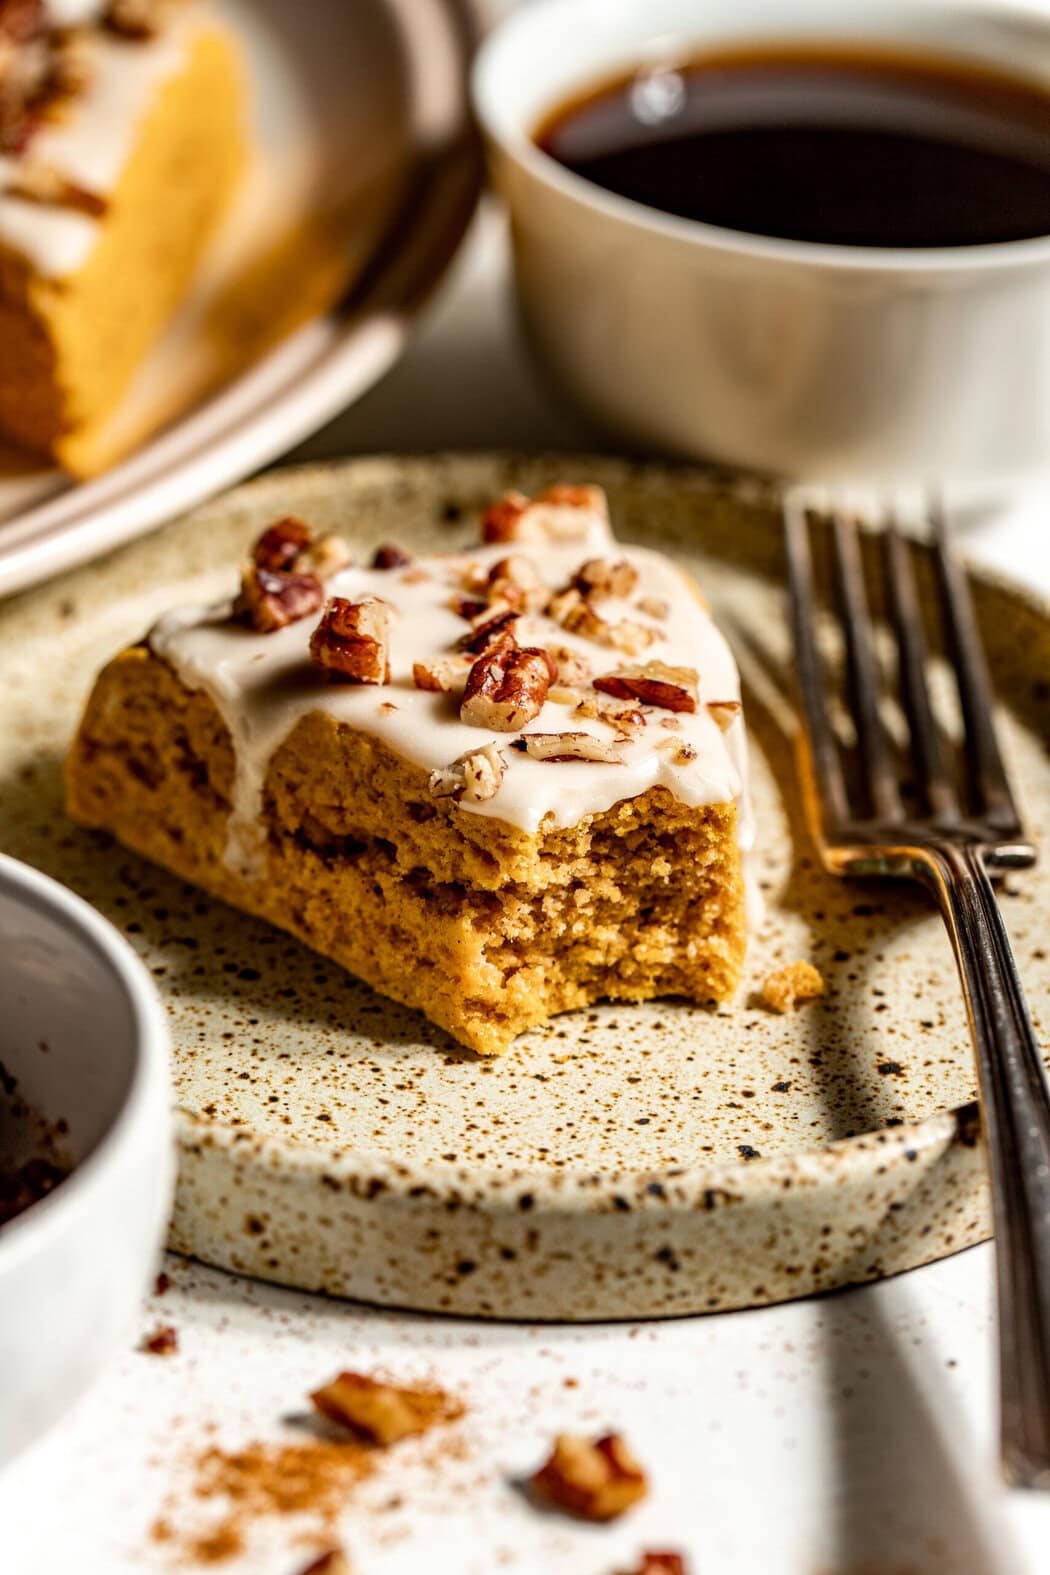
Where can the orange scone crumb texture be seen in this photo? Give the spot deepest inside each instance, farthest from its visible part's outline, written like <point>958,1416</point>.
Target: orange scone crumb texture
<point>381,785</point>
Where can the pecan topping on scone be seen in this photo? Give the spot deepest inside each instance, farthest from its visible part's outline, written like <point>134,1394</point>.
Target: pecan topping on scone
<point>139,20</point>
<point>443,675</point>
<point>672,688</point>
<point>724,712</point>
<point>516,582</point>
<point>289,546</point>
<point>382,1412</point>
<point>475,776</point>
<point>269,602</point>
<point>36,181</point>
<point>352,640</point>
<point>574,612</point>
<point>556,747</point>
<point>281,543</point>
<point>560,513</point>
<point>597,1481</point>
<point>491,632</point>
<point>391,556</point>
<point>507,687</point>
<point>573,669</point>
<point>600,578</point>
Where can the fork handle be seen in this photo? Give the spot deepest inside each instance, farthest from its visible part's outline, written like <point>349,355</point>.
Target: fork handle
<point>1015,1102</point>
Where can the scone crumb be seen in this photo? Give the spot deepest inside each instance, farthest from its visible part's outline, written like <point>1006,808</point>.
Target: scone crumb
<point>597,1480</point>
<point>382,1412</point>
<point>792,986</point>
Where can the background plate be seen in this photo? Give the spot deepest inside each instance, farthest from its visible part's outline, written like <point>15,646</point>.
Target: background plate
<point>366,173</point>
<point>623,1162</point>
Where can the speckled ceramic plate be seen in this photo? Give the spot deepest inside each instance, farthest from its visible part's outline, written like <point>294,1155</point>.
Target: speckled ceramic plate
<point>626,1161</point>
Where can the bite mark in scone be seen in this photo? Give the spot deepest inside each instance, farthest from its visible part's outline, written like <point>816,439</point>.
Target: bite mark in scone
<point>483,816</point>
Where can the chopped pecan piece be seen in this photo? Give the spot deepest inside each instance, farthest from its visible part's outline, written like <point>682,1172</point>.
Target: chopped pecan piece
<point>724,712</point>
<point>660,1563</point>
<point>468,607</point>
<point>333,1561</point>
<point>162,1342</point>
<point>38,182</point>
<point>390,556</point>
<point>599,578</point>
<point>672,688</point>
<point>573,669</point>
<point>382,1412</point>
<point>281,543</point>
<point>516,582</point>
<point>507,688</point>
<point>441,676</point>
<point>654,607</point>
<point>272,601</point>
<point>325,556</point>
<point>352,640</point>
<point>475,776</point>
<point>679,749</point>
<point>139,20</point>
<point>561,513</point>
<point>491,632</point>
<point>557,747</point>
<point>597,1480</point>
<point>572,610</point>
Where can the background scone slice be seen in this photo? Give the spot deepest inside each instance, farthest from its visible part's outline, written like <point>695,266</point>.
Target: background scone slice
<point>84,295</point>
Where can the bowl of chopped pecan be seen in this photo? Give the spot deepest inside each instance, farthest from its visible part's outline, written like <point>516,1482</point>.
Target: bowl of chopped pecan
<point>86,1155</point>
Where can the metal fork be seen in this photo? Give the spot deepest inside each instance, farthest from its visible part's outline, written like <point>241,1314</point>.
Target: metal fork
<point>951,843</point>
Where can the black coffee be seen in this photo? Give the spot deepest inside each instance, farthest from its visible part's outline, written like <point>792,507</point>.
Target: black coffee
<point>851,146</point>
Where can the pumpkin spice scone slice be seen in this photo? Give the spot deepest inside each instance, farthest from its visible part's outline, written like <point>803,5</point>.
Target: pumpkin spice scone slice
<point>496,785</point>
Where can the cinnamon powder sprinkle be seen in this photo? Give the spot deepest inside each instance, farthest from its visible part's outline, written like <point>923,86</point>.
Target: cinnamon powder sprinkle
<point>312,1478</point>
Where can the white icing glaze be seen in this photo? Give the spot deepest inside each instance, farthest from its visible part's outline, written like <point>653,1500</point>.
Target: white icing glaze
<point>73,13</point>
<point>91,141</point>
<point>263,684</point>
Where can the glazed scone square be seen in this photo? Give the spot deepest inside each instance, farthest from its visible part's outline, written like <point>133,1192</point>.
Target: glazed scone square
<point>116,164</point>
<point>496,785</point>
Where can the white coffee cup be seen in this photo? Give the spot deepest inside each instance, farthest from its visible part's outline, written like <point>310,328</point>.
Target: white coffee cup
<point>808,360</point>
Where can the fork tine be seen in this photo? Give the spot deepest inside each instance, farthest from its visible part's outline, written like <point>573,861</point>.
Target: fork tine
<point>862,673</point>
<point>827,767</point>
<point>984,762</point>
<point>931,758</point>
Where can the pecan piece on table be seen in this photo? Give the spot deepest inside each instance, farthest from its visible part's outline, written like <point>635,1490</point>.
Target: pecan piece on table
<point>655,683</point>
<point>382,1412</point>
<point>352,640</point>
<point>164,1341</point>
<point>596,1480</point>
<point>506,688</point>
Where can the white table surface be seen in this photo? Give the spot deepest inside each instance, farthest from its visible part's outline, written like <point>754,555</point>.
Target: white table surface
<point>852,1435</point>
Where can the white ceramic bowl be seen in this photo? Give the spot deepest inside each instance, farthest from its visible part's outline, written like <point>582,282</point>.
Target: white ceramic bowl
<point>797,358</point>
<point>86,1038</point>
